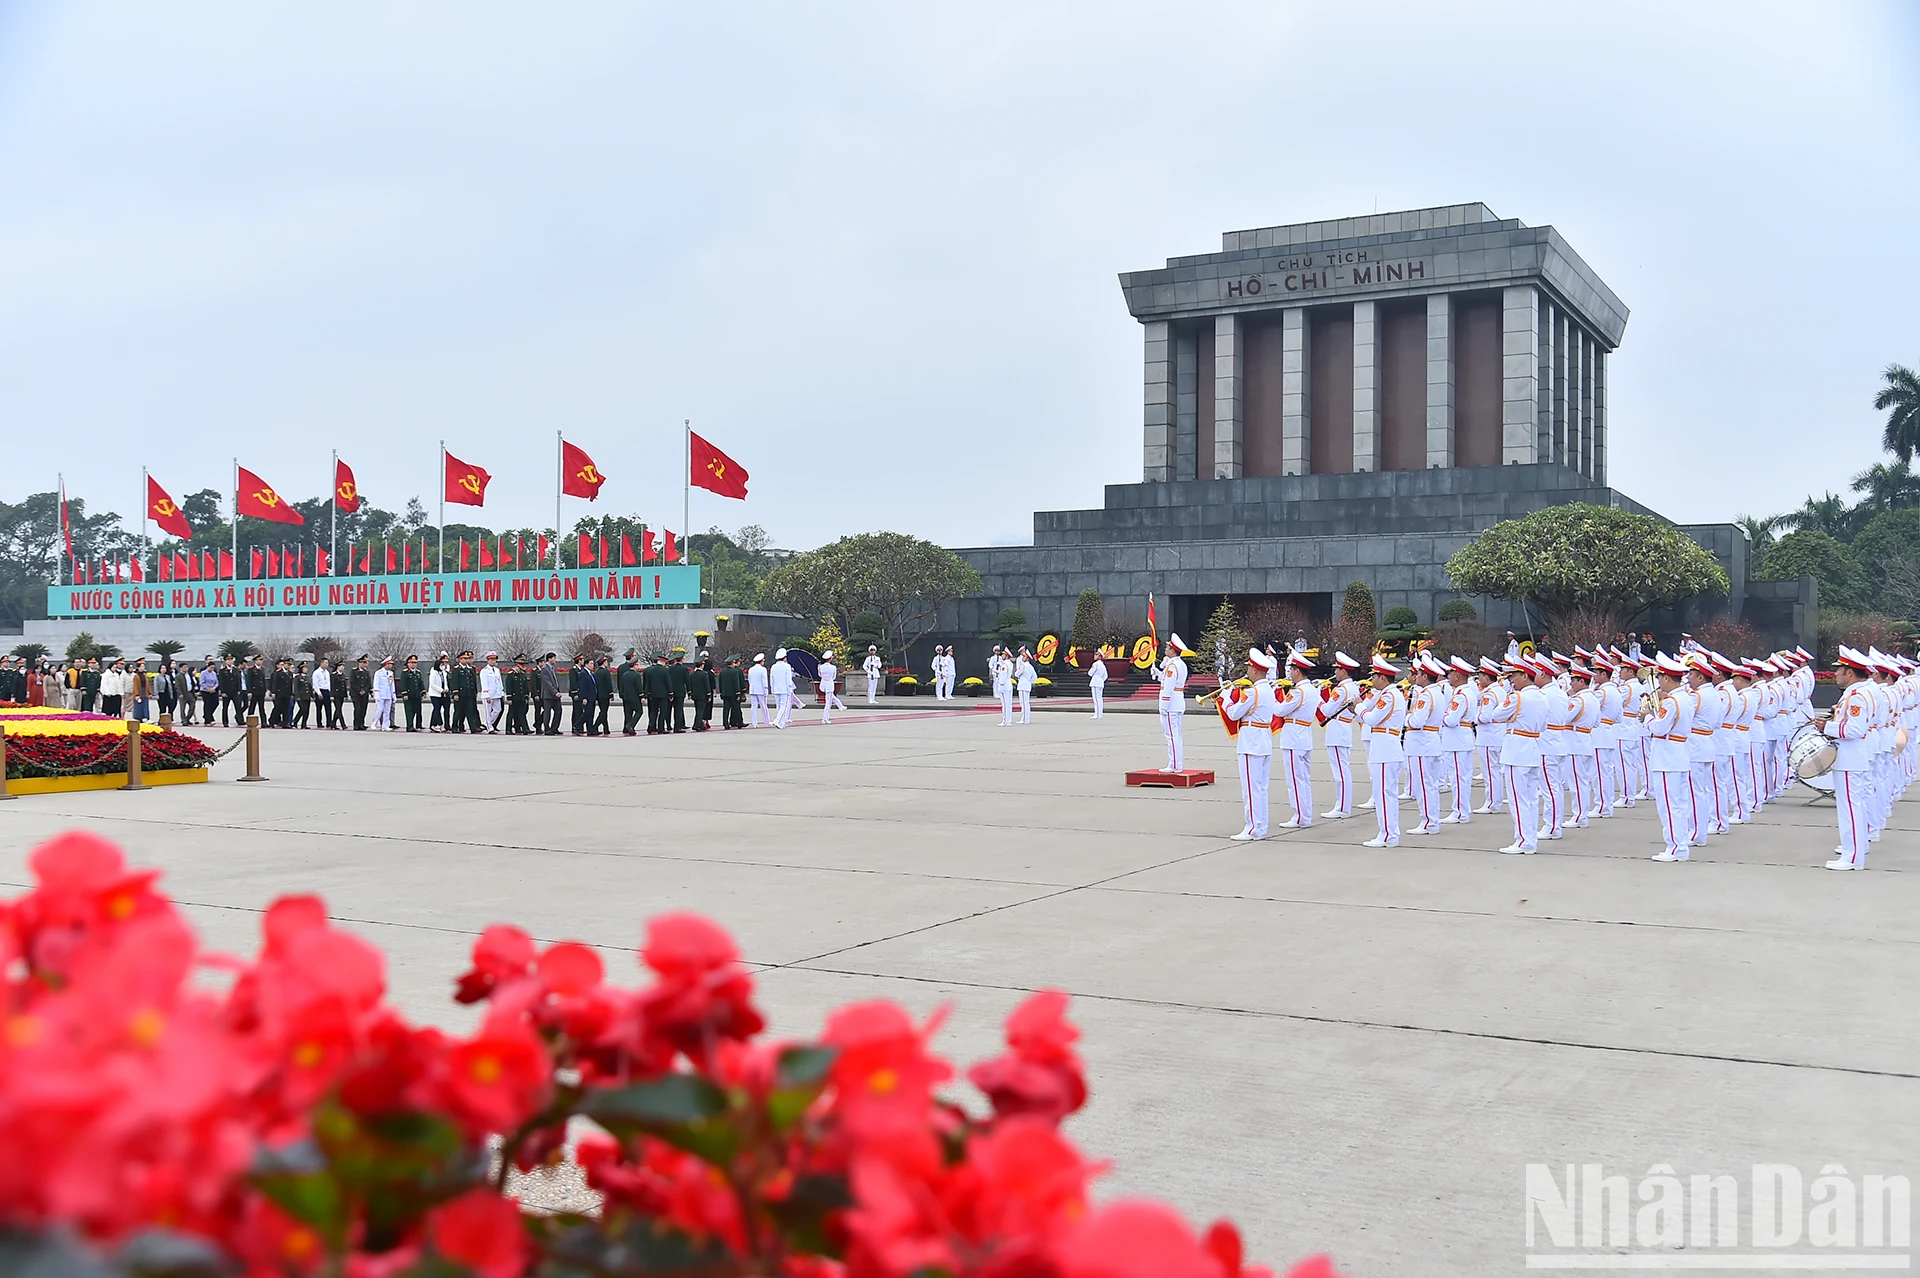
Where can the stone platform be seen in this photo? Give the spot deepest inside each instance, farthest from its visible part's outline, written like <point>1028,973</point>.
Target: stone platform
<point>1346,1049</point>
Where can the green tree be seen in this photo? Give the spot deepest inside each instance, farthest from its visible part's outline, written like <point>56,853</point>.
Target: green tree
<point>1884,487</point>
<point>1090,620</point>
<point>1844,585</point>
<point>1357,608</point>
<point>1224,639</point>
<point>33,556</point>
<point>165,648</point>
<point>1587,558</point>
<point>238,649</point>
<point>869,627</point>
<point>84,647</point>
<point>30,651</point>
<point>1899,398</point>
<point>1010,627</point>
<point>904,579</point>
<point>1458,610</point>
<point>1829,514</point>
<point>1760,533</point>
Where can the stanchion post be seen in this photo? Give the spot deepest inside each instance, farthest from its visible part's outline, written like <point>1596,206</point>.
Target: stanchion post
<point>166,721</point>
<point>253,749</point>
<point>4,794</point>
<point>133,758</point>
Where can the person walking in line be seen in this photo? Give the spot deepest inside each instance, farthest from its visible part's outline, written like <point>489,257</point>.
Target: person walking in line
<point>780,679</point>
<point>829,676</point>
<point>759,687</point>
<point>384,693</point>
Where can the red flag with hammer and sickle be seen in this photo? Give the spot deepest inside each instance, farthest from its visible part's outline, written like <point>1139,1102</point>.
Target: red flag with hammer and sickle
<point>346,493</point>
<point>466,483</point>
<point>165,511</point>
<point>258,499</point>
<point>716,472</point>
<point>581,477</point>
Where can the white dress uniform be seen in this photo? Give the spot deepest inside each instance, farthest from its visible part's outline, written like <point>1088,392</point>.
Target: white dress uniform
<point>1554,749</point>
<point>758,683</point>
<point>1525,714</point>
<point>1457,719</point>
<point>829,679</point>
<point>1000,670</point>
<point>1383,714</point>
<point>1097,685</point>
<point>1670,764</point>
<point>1851,728</point>
<point>1338,710</point>
<point>1583,720</point>
<point>1424,707</point>
<point>493,695</point>
<point>1023,677</point>
<point>1708,710</point>
<point>1296,709</point>
<point>1255,710</point>
<point>1606,742</point>
<point>1490,734</point>
<point>780,683</point>
<point>1171,675</point>
<point>1745,707</point>
<point>383,697</point>
<point>873,668</point>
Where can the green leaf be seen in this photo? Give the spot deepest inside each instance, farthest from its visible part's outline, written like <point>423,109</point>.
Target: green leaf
<point>670,1099</point>
<point>802,1214</point>
<point>298,1181</point>
<point>804,1066</point>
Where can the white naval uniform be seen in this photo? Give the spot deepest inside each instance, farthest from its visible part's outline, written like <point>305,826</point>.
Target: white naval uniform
<point>1097,685</point>
<point>1023,677</point>
<point>1423,754</point>
<point>1583,770</point>
<point>1492,709</point>
<point>1457,718</point>
<point>872,666</point>
<point>1707,712</point>
<point>1295,713</point>
<point>829,678</point>
<point>1670,771</point>
<point>493,696</point>
<point>757,684</point>
<point>1000,666</point>
<point>780,682</point>
<point>1554,749</point>
<point>1255,709</point>
<point>1338,710</point>
<point>1524,762</point>
<point>1851,729</point>
<point>1606,745</point>
<point>1171,675</point>
<point>383,700</point>
<point>1383,714</point>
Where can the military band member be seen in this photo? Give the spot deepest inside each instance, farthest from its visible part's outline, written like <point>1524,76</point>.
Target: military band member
<point>1422,744</point>
<point>1383,717</point>
<point>1669,724</point>
<point>1250,715</point>
<point>1296,713</point>
<point>1490,731</point>
<point>1171,675</point>
<point>1458,714</point>
<point>413,690</point>
<point>1338,709</point>
<point>1583,717</point>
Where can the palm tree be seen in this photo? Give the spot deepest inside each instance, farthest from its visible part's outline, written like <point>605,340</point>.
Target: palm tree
<point>1900,400</point>
<point>1829,514</point>
<point>1884,487</point>
<point>1760,532</point>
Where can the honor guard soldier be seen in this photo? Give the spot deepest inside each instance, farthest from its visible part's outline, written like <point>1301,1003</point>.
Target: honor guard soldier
<point>733,690</point>
<point>1250,715</point>
<point>1383,715</point>
<point>413,689</point>
<point>780,680</point>
<point>1171,675</point>
<point>872,668</point>
<point>828,679</point>
<point>1338,710</point>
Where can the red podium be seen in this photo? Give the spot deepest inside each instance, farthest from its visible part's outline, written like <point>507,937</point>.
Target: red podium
<point>1184,779</point>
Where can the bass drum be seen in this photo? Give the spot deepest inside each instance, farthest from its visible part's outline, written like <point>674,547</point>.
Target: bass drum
<point>1810,756</point>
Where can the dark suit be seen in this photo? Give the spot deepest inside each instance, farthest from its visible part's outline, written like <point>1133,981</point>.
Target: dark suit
<point>700,689</point>
<point>677,673</point>
<point>585,693</point>
<point>733,690</point>
<point>659,688</point>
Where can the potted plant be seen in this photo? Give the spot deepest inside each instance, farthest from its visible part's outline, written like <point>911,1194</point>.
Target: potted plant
<point>1043,687</point>
<point>973,686</point>
<point>904,685</point>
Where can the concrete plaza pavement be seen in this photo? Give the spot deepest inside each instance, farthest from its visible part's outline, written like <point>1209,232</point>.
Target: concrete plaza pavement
<point>1345,1049</point>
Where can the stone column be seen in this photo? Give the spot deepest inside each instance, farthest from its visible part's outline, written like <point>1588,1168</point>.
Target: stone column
<point>1543,416</point>
<point>1439,381</point>
<point>1599,415</point>
<point>1296,390</point>
<point>1158,453</point>
<point>1186,465</point>
<point>1366,387</point>
<point>1560,425</point>
<point>1588,447</point>
<point>1229,426</point>
<point>1519,374</point>
<point>1576,426</point>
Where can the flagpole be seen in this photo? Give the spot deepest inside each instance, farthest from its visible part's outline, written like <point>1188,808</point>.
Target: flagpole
<point>559,484</point>
<point>236,518</point>
<point>442,555</point>
<point>333,515</point>
<point>66,538</point>
<point>686,496</point>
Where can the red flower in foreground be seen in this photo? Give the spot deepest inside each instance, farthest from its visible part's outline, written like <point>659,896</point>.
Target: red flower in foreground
<point>704,994</point>
<point>482,1231</point>
<point>1042,1074</point>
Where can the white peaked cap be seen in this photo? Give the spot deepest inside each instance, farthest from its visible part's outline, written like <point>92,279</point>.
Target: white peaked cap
<point>1176,642</point>
<point>759,656</point>
<point>1261,659</point>
<point>827,655</point>
<point>779,654</point>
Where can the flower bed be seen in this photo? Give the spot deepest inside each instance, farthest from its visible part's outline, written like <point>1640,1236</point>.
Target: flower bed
<point>62,743</point>
<point>296,1125</point>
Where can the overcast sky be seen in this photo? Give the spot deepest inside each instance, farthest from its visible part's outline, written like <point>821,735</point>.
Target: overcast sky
<point>871,251</point>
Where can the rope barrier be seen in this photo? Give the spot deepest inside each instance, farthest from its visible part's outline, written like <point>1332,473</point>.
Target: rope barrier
<point>101,766</point>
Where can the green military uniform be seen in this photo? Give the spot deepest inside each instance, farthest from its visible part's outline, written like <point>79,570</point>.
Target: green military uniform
<point>463,695</point>
<point>677,676</point>
<point>733,691</point>
<point>360,688</point>
<point>413,690</point>
<point>518,685</point>
<point>89,690</point>
<point>700,688</point>
<point>659,689</point>
<point>629,683</point>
